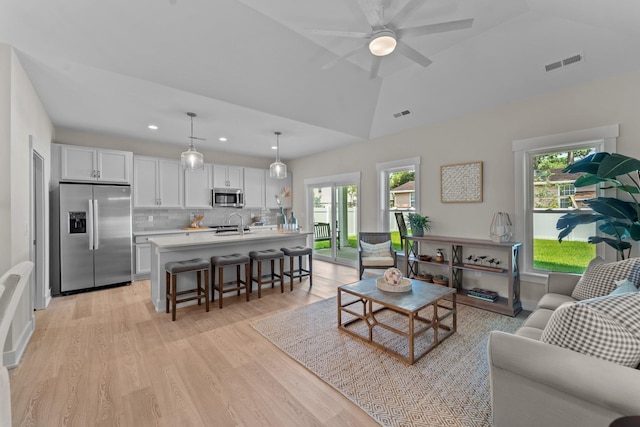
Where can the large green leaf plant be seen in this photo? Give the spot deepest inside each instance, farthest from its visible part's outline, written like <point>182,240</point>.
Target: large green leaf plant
<point>616,218</point>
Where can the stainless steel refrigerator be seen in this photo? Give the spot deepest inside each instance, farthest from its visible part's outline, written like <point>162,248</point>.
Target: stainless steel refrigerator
<point>94,235</point>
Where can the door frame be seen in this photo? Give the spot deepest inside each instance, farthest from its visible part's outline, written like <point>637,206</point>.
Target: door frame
<point>330,181</point>
<point>37,229</point>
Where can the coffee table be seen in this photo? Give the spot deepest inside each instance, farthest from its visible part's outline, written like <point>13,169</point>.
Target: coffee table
<point>414,305</point>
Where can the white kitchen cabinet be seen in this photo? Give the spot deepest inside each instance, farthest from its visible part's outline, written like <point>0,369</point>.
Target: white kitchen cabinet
<point>279,187</point>
<point>143,258</point>
<point>197,187</point>
<point>157,183</point>
<point>254,190</point>
<point>228,176</point>
<point>95,164</point>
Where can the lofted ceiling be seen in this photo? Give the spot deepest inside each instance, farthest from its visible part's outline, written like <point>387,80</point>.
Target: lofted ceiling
<point>251,67</point>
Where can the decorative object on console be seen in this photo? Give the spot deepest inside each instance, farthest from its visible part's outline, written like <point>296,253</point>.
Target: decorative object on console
<point>501,228</point>
<point>617,218</point>
<point>392,281</point>
<point>191,159</point>
<point>278,169</point>
<point>461,183</point>
<point>439,255</point>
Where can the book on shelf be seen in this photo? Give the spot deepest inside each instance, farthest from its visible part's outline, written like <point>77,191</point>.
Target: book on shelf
<point>483,294</point>
<point>483,298</point>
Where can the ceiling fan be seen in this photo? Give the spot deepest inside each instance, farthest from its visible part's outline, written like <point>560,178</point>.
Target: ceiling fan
<point>387,35</point>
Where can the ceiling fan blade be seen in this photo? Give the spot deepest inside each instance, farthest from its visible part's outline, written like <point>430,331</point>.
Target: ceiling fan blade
<point>340,33</point>
<point>442,27</point>
<point>340,58</point>
<point>412,54</point>
<point>371,12</point>
<point>375,66</point>
<point>404,12</point>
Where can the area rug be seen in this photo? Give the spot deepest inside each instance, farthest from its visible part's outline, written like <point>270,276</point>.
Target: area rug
<point>447,387</point>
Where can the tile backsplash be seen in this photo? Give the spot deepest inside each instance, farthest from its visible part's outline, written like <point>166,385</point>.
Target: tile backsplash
<point>165,219</point>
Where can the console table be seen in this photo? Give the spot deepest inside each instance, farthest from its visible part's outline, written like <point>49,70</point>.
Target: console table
<point>455,265</point>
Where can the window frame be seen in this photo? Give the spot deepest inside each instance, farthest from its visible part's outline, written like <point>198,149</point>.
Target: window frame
<point>383,170</point>
<point>603,138</point>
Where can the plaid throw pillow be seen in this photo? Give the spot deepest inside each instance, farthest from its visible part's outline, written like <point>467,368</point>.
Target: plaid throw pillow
<point>606,327</point>
<point>599,278</point>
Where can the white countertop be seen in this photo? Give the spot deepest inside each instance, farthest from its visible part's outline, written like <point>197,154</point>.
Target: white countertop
<point>201,239</point>
<point>204,229</point>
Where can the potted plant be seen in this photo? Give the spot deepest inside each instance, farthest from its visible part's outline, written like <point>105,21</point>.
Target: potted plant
<point>419,224</point>
<point>617,218</point>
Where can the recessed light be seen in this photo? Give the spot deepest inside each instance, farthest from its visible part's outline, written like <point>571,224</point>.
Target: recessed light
<point>153,127</point>
<point>274,148</point>
<point>222,139</point>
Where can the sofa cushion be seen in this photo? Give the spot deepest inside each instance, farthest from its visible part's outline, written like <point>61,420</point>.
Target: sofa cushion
<point>599,278</point>
<point>552,301</point>
<point>375,249</point>
<point>539,318</point>
<point>606,327</point>
<point>532,333</point>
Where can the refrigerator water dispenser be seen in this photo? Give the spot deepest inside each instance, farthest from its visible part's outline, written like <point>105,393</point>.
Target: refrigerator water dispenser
<point>77,222</point>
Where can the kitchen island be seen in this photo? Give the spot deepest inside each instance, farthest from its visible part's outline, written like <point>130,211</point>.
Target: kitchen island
<point>206,245</point>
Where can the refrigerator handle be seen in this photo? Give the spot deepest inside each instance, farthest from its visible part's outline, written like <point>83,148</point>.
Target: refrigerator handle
<point>90,224</point>
<point>95,226</point>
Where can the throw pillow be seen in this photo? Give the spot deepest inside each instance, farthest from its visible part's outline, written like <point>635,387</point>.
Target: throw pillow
<point>624,286</point>
<point>375,249</point>
<point>607,327</point>
<point>599,278</point>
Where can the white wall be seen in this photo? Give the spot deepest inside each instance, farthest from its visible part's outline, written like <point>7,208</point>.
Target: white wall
<point>484,136</point>
<point>21,116</point>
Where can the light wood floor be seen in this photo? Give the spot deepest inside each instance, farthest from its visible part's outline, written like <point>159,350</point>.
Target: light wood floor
<point>107,358</point>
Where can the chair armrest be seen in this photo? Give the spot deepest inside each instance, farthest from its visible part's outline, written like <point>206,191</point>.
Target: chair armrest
<point>562,283</point>
<point>598,382</point>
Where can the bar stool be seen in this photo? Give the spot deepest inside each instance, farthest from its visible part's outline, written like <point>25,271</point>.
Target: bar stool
<point>222,261</point>
<point>298,251</point>
<point>197,265</point>
<point>266,255</point>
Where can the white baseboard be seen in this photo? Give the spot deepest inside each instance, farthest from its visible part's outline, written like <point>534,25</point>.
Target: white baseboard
<point>11,358</point>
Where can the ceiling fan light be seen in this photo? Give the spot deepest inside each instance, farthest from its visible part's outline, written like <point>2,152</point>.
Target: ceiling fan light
<point>383,43</point>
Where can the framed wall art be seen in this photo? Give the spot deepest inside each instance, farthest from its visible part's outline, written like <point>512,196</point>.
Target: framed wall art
<point>461,183</point>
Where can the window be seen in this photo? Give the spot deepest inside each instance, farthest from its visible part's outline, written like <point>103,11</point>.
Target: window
<point>544,193</point>
<point>398,191</point>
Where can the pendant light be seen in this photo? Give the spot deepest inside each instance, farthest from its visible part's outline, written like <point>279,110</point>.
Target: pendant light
<point>191,159</point>
<point>278,169</point>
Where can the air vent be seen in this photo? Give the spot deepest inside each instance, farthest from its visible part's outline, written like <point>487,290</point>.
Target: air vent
<point>402,113</point>
<point>573,59</point>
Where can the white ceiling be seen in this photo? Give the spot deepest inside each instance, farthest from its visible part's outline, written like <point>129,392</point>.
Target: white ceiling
<point>251,67</point>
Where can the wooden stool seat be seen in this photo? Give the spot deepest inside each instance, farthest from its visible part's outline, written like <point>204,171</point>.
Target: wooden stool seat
<point>292,253</point>
<point>266,255</point>
<point>222,261</point>
<point>173,268</point>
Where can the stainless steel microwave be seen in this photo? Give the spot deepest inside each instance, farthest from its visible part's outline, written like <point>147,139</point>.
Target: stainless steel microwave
<point>227,197</point>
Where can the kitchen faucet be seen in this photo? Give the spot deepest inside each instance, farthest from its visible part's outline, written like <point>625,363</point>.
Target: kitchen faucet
<point>241,228</point>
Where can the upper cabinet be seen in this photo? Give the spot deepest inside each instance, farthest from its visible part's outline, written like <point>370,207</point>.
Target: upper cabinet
<point>95,164</point>
<point>228,176</point>
<point>254,188</point>
<point>278,189</point>
<point>197,187</point>
<point>156,183</point>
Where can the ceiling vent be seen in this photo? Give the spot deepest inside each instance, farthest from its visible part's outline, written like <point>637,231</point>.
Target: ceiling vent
<point>561,63</point>
<point>401,113</point>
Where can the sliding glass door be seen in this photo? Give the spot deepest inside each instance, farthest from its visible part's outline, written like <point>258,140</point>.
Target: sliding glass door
<point>334,218</point>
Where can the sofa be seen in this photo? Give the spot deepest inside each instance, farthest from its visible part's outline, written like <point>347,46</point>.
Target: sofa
<point>537,383</point>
